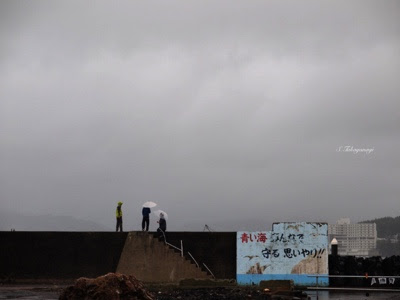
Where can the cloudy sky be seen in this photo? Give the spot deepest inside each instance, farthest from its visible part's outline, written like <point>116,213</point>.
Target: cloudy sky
<point>226,113</point>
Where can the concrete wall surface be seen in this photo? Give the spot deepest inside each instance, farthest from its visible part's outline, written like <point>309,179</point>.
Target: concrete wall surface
<point>217,250</point>
<point>59,255</point>
<point>151,260</point>
<point>70,255</point>
<point>386,269</point>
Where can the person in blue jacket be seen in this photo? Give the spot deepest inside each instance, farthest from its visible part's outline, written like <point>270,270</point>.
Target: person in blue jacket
<point>146,218</point>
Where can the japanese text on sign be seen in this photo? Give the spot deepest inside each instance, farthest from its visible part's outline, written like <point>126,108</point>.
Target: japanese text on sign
<point>276,237</point>
<point>291,253</point>
<point>383,280</point>
<point>250,237</point>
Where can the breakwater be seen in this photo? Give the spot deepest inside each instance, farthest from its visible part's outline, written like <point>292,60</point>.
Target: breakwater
<point>58,255</point>
<point>386,270</point>
<point>69,255</point>
<point>38,256</point>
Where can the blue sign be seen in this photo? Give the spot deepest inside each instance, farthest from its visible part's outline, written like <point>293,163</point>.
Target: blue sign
<point>291,251</point>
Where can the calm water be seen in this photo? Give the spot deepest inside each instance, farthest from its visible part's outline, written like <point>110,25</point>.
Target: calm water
<point>337,295</point>
<point>52,292</point>
<point>30,292</point>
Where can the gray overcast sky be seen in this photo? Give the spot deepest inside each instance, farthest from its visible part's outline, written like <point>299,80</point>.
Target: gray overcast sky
<point>223,112</point>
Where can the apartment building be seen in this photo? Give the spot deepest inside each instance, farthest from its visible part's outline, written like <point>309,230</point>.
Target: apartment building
<point>354,239</point>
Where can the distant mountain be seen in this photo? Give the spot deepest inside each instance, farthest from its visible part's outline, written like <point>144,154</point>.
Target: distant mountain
<point>387,226</point>
<point>21,222</point>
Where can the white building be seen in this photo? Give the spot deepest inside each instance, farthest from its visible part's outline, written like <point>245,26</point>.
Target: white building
<point>353,239</point>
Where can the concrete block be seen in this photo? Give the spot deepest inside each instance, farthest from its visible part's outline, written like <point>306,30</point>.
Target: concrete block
<point>150,260</point>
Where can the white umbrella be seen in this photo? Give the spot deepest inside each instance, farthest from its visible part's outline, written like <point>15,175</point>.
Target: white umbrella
<point>158,212</point>
<point>149,204</point>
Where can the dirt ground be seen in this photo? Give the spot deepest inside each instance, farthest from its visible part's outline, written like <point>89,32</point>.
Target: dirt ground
<point>214,293</point>
<point>120,286</point>
<point>159,293</point>
<point>52,292</point>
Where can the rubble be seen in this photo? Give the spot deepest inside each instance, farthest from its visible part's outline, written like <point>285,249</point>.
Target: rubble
<point>117,286</point>
<point>110,286</point>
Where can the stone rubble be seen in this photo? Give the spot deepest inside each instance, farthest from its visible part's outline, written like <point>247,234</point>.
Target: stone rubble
<point>110,286</point>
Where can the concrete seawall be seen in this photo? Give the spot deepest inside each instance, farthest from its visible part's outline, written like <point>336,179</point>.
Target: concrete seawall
<point>151,260</point>
<point>70,255</point>
<point>217,250</point>
<point>59,255</point>
<point>46,256</point>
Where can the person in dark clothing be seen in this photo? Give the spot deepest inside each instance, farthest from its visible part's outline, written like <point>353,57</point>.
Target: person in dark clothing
<point>162,227</point>
<point>119,216</point>
<point>146,218</point>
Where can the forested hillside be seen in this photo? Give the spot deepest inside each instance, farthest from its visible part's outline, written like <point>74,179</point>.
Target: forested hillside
<point>386,226</point>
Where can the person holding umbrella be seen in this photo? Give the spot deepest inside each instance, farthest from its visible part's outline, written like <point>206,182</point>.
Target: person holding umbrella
<point>146,214</point>
<point>119,216</point>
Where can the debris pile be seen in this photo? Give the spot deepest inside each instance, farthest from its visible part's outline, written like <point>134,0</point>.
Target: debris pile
<point>109,286</point>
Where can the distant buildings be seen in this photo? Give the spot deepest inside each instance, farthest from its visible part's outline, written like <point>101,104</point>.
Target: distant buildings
<point>354,239</point>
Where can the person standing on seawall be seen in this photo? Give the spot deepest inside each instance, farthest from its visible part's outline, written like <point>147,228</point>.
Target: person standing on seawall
<point>162,228</point>
<point>119,216</point>
<point>146,218</point>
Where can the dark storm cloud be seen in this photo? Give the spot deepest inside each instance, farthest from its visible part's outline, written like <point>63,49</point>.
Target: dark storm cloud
<point>218,111</point>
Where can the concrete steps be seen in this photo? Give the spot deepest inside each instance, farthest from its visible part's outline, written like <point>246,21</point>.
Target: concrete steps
<point>188,257</point>
<point>142,254</point>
